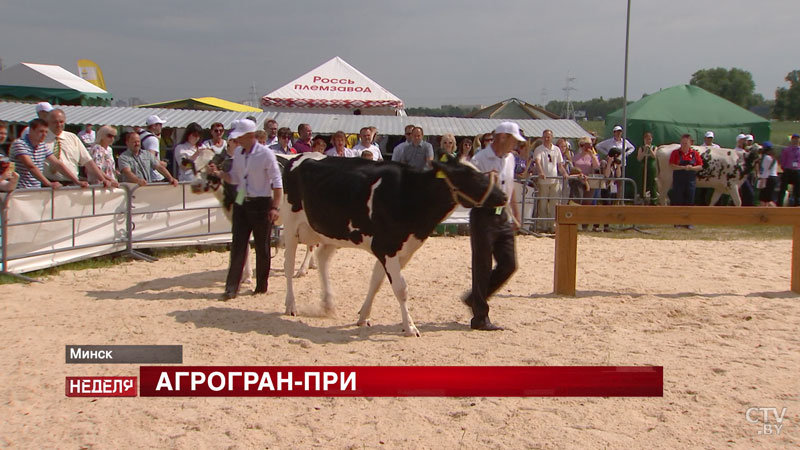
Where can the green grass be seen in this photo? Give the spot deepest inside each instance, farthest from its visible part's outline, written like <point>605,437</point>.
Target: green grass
<point>102,262</point>
<point>780,130</point>
<point>598,126</point>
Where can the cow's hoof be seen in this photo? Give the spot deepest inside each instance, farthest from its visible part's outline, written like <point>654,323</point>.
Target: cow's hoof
<point>313,265</point>
<point>291,312</point>
<point>412,332</point>
<point>300,273</point>
<point>364,323</point>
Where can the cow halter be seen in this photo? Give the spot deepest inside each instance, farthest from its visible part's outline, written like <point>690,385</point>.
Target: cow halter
<point>455,192</point>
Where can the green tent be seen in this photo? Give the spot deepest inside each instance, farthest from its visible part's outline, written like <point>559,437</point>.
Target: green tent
<point>682,109</point>
<point>44,82</point>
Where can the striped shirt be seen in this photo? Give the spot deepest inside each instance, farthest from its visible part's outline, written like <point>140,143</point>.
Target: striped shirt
<point>38,155</point>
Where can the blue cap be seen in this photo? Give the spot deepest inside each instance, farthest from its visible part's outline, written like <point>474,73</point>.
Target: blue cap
<point>795,136</point>
<point>766,144</point>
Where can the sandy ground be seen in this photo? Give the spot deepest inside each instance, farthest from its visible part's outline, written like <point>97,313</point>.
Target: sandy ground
<point>718,316</point>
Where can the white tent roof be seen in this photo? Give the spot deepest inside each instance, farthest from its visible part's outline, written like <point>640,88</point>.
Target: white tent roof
<point>46,76</point>
<point>334,84</point>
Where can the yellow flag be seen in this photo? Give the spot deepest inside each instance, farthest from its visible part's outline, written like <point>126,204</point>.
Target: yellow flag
<point>90,71</point>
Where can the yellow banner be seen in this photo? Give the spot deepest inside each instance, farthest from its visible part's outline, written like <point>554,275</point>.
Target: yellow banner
<point>90,71</point>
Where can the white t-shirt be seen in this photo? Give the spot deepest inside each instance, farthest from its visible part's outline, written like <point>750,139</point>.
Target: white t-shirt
<point>208,143</point>
<point>348,152</point>
<point>88,137</point>
<point>769,167</point>
<point>376,152</point>
<point>185,150</point>
<point>152,143</point>
<point>605,146</point>
<point>487,161</point>
<point>548,160</point>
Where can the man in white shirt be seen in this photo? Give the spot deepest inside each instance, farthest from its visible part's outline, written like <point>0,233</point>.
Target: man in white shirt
<point>550,163</point>
<point>151,141</point>
<point>256,174</point>
<point>87,135</point>
<point>615,142</point>
<point>69,149</point>
<point>365,144</point>
<point>708,140</point>
<point>491,229</point>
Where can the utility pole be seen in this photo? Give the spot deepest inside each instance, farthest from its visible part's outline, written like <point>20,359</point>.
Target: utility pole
<point>570,111</point>
<point>543,97</point>
<point>254,96</point>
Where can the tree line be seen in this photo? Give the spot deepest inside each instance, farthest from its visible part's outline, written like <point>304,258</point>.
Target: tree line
<point>735,85</point>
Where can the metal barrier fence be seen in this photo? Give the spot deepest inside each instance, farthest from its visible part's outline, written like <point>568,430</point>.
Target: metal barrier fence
<point>43,227</point>
<point>537,209</point>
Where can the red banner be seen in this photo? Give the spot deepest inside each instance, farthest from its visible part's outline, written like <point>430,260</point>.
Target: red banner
<point>402,381</point>
<point>101,386</point>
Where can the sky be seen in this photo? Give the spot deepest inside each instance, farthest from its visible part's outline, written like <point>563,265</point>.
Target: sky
<point>428,53</point>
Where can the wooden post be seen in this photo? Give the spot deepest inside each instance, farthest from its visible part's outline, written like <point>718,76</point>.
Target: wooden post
<point>796,259</point>
<point>566,259</point>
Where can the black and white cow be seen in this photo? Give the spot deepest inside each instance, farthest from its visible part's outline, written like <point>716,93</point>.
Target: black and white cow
<point>724,170</point>
<point>385,208</point>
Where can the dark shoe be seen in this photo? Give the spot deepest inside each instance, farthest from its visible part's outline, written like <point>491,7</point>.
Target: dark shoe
<point>690,227</point>
<point>227,296</point>
<point>606,229</point>
<point>259,291</point>
<point>484,325</point>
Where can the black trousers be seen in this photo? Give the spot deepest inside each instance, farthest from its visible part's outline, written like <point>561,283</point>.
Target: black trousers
<point>250,217</point>
<point>748,194</point>
<point>770,191</point>
<point>490,236</point>
<point>789,176</point>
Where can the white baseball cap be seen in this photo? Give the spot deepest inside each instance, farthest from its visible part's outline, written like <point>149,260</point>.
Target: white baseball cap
<point>617,128</point>
<point>741,136</point>
<point>43,107</point>
<point>710,134</point>
<point>242,127</point>
<point>750,137</point>
<point>510,128</point>
<point>154,119</point>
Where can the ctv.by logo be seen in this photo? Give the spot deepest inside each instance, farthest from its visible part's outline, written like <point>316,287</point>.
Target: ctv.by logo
<point>762,415</point>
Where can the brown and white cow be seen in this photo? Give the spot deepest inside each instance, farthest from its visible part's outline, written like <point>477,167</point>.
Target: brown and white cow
<point>385,208</point>
<point>724,170</point>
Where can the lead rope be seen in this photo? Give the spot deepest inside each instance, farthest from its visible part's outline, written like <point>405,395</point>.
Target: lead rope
<point>455,192</point>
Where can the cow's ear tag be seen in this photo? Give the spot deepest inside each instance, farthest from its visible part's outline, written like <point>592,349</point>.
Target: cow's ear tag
<point>440,174</point>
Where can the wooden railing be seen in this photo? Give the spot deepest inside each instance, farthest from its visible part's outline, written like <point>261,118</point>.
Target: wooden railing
<point>569,217</point>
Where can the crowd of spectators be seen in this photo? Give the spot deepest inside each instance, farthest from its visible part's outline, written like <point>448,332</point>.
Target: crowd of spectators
<point>47,155</point>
